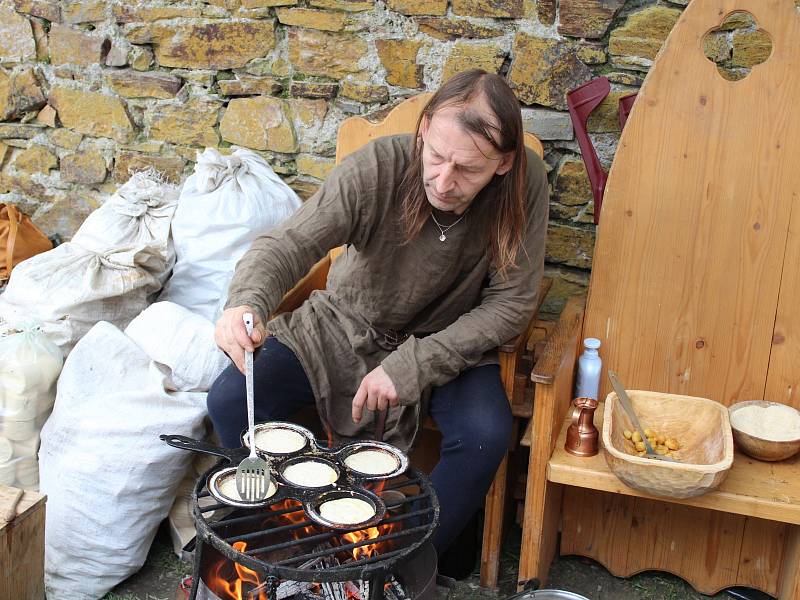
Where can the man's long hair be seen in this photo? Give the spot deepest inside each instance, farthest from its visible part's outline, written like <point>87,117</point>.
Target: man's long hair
<point>505,228</point>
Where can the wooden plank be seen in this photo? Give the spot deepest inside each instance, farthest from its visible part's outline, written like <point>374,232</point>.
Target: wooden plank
<point>783,379</point>
<point>692,245</point>
<point>493,511</point>
<point>542,498</point>
<point>701,546</point>
<point>752,487</point>
<point>711,550</point>
<point>763,549</point>
<point>597,525</point>
<point>789,584</point>
<point>22,548</point>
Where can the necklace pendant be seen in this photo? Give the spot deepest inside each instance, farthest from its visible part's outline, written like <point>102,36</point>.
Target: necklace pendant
<point>442,237</point>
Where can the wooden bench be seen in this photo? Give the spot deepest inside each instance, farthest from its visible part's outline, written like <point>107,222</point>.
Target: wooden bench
<point>694,290</point>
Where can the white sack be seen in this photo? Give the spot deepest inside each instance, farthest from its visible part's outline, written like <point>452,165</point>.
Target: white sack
<point>182,343</point>
<point>29,368</point>
<point>137,215</point>
<point>109,480</point>
<point>224,205</point>
<point>69,289</point>
<point>118,259</point>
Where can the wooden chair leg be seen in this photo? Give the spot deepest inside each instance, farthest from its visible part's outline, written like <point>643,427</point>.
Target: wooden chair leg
<point>789,583</point>
<point>493,527</point>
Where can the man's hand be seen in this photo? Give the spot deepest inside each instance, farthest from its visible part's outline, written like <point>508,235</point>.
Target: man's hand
<point>231,335</point>
<point>376,391</point>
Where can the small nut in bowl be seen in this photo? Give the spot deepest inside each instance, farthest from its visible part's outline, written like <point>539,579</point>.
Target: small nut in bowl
<point>767,431</point>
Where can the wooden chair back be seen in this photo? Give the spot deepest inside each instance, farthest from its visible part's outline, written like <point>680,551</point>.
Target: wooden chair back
<point>696,270</point>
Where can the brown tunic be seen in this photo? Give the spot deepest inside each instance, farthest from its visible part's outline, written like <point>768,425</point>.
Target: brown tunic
<point>446,294</point>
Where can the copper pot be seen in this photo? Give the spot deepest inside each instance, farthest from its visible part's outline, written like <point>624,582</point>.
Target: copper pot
<point>582,435</point>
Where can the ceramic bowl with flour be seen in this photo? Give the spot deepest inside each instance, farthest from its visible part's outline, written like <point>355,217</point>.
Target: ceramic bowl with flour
<point>765,430</point>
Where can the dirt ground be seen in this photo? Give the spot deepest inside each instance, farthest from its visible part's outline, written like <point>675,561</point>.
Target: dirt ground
<point>163,572</point>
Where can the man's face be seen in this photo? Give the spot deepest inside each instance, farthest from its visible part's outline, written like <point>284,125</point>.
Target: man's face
<point>456,164</point>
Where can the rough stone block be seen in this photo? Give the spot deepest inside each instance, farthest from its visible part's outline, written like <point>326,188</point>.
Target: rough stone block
<point>308,117</point>
<point>16,37</point>
<point>592,54</point>
<point>64,138</point>
<point>571,246</point>
<point>310,89</point>
<point>118,54</point>
<point>92,113</point>
<point>399,58</point>
<point>84,167</point>
<point>314,166</point>
<point>191,123</point>
<point>546,11</point>
<point>751,48</point>
<point>246,85</point>
<point>364,92</point>
<point>202,44</point>
<point>141,58</point>
<point>464,56</point>
<point>605,118</point>
<point>453,29</point>
<point>85,11</point>
<point>572,186</point>
<point>324,54</point>
<point>547,124</point>
<point>644,32</point>
<point>503,9</point>
<point>250,4</point>
<point>345,5</point>
<point>19,93</point>
<point>36,159</point>
<point>134,84</point>
<point>127,163</point>
<point>73,46</point>
<point>312,19</point>
<point>544,70</point>
<point>261,123</point>
<point>45,9</point>
<point>132,12</point>
<point>587,18</point>
<point>418,7</point>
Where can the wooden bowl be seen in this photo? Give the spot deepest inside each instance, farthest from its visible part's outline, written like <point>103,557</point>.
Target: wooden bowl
<point>702,428</point>
<point>760,448</point>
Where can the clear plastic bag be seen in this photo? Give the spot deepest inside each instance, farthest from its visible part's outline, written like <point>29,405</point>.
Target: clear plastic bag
<point>29,368</point>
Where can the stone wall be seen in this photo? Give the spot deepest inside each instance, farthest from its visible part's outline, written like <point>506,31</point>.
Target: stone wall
<point>91,90</point>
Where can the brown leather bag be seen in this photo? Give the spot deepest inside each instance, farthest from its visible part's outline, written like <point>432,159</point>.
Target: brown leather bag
<point>19,239</point>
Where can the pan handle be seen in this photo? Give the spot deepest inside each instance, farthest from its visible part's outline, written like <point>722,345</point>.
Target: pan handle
<point>187,443</point>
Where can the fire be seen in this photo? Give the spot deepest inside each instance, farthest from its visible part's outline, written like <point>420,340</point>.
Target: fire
<point>244,587</point>
<point>369,550</point>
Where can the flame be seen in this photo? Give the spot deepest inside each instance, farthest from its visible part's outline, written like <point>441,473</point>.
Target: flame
<point>235,589</point>
<point>369,550</point>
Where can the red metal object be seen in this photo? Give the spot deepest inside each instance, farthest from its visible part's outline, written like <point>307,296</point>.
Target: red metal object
<point>581,102</point>
<point>625,106</point>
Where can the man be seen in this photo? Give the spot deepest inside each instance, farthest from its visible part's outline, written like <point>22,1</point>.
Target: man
<point>445,235</point>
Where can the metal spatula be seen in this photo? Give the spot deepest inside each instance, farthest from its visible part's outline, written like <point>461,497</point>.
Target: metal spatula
<point>625,401</point>
<point>252,478</point>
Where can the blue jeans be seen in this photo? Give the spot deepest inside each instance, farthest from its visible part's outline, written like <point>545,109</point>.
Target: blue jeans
<point>471,412</point>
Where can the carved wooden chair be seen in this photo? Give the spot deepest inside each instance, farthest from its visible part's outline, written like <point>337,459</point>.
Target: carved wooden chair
<point>694,291</point>
<point>353,133</point>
